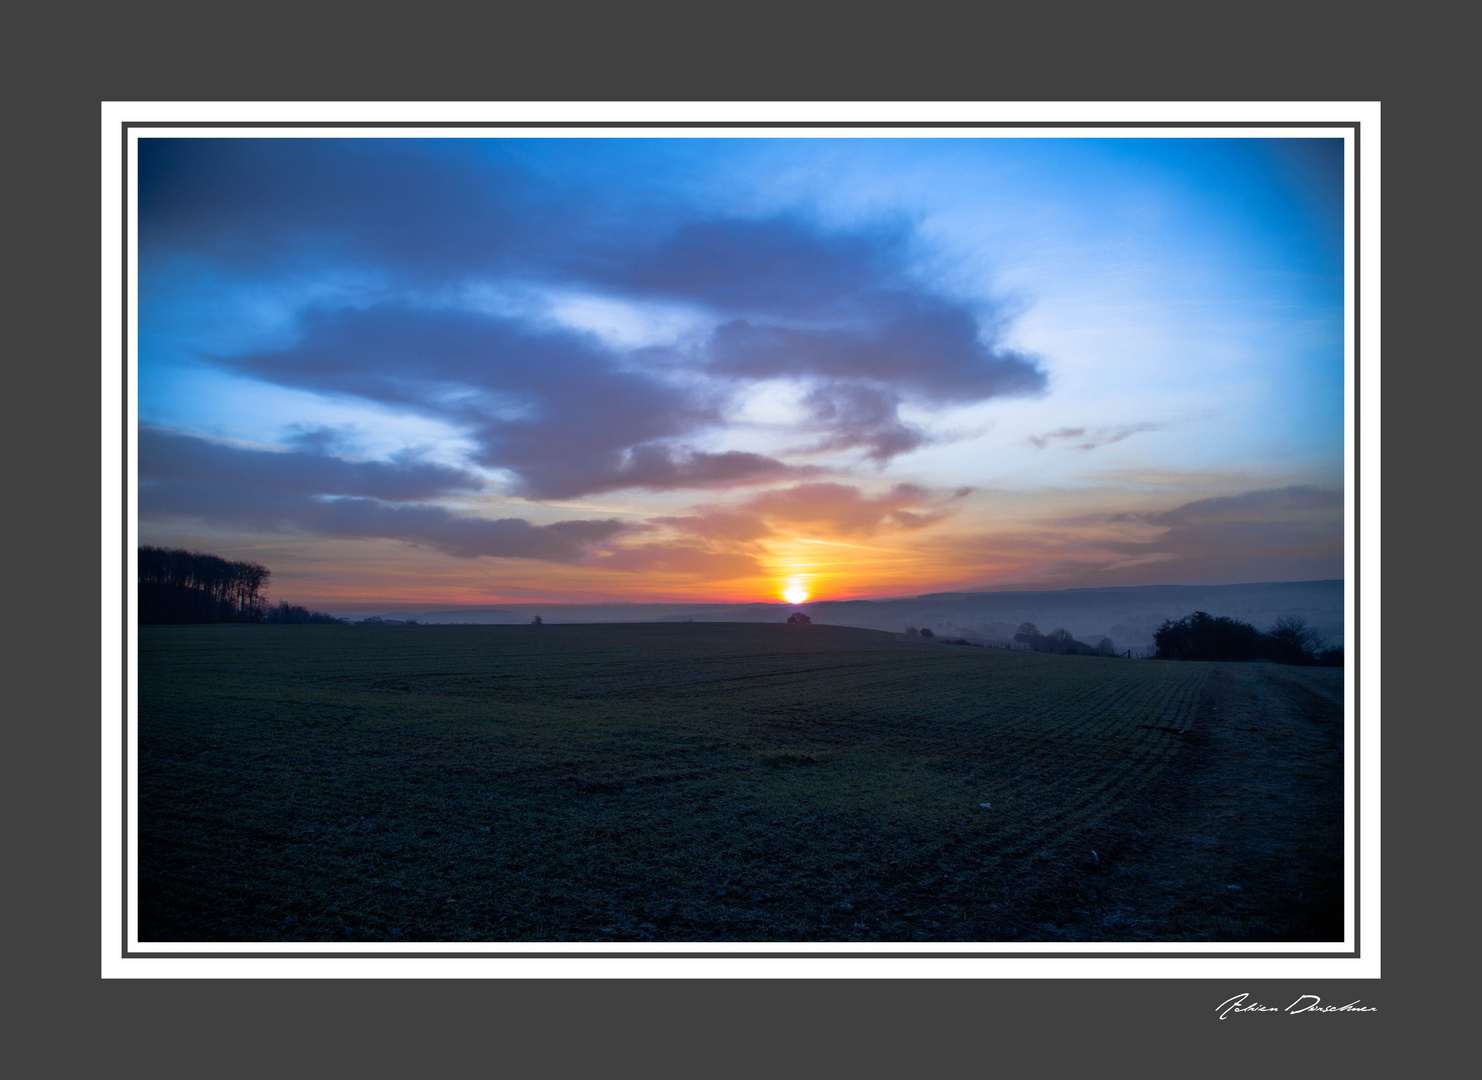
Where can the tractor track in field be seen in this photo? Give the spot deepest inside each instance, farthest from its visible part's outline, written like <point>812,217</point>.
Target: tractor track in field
<point>1239,839</point>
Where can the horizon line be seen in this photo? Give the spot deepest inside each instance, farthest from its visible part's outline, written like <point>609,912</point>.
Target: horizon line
<point>496,604</point>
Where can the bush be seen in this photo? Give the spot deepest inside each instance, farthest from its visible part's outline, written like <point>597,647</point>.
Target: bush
<point>1059,641</point>
<point>292,613</point>
<point>1294,642</point>
<point>1202,636</point>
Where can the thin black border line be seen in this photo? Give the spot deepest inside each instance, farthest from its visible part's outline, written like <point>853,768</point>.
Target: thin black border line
<point>1358,577</point>
<point>732,956</point>
<point>1354,125</point>
<point>127,583</point>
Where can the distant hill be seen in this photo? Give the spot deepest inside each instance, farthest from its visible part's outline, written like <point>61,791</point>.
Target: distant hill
<point>1128,615</point>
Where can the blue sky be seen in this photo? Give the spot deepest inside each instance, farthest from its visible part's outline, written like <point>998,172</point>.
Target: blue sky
<point>469,370</point>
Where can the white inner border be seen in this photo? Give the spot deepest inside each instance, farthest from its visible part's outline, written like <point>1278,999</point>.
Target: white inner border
<point>1364,641</point>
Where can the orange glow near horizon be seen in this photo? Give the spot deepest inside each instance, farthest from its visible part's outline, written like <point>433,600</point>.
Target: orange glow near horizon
<point>381,575</point>
<point>365,575</point>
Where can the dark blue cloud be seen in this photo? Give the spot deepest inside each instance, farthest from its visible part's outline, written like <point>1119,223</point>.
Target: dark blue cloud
<point>787,296</point>
<point>184,477</point>
<point>784,267</point>
<point>921,345</point>
<point>554,407</point>
<point>166,456</point>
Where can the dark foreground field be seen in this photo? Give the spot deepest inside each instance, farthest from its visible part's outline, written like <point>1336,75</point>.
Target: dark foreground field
<point>724,782</point>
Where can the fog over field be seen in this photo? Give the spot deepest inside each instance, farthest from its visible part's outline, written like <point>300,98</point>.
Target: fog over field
<point>1128,616</point>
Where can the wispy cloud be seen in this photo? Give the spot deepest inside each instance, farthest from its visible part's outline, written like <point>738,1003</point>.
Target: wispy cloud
<point>810,510</point>
<point>1082,438</point>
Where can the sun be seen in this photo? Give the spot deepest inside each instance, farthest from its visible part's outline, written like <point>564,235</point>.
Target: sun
<point>794,594</point>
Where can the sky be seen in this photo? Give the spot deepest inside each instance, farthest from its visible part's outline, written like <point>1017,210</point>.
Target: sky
<point>473,371</point>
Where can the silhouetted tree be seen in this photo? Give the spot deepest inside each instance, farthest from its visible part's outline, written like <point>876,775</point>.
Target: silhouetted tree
<point>1294,642</point>
<point>179,586</point>
<point>1202,636</point>
<point>797,618</point>
<point>1059,641</point>
<point>1062,641</point>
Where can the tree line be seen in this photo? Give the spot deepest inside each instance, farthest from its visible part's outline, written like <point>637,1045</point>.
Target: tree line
<point>1202,636</point>
<point>294,614</point>
<point>180,586</point>
<point>1062,642</point>
<point>1199,636</point>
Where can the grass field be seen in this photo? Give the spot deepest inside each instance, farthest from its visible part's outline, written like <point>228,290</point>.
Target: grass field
<point>724,782</point>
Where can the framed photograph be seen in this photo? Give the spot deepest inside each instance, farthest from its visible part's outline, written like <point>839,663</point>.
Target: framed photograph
<point>738,538</point>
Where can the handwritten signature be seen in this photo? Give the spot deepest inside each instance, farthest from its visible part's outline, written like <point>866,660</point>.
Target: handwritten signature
<point>1304,1004</point>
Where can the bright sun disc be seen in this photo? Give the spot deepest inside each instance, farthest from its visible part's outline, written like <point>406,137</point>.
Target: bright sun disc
<point>795,594</point>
